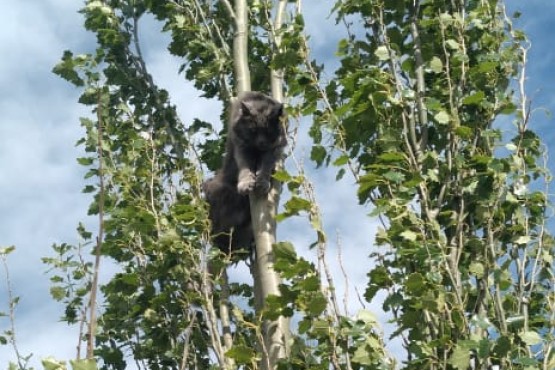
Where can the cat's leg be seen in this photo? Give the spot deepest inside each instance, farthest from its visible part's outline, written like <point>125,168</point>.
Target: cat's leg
<point>246,179</point>
<point>266,165</point>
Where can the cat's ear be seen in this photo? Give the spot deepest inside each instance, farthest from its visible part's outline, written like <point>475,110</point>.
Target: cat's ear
<point>279,110</point>
<point>246,109</point>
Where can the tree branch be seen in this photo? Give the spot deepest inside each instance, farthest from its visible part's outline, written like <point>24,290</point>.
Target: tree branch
<point>100,237</point>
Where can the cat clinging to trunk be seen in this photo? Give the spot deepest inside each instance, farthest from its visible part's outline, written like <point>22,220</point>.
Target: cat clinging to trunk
<point>255,140</point>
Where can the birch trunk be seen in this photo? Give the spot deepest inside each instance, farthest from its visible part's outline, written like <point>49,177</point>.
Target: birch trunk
<point>263,210</point>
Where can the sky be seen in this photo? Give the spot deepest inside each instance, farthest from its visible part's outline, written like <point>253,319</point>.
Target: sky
<point>41,182</point>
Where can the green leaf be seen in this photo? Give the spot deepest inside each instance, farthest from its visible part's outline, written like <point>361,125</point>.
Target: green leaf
<point>318,154</point>
<point>85,161</point>
<point>432,174</point>
<point>58,293</point>
<point>445,18</point>
<point>286,251</point>
<point>436,65</point>
<point>340,174</point>
<point>342,48</point>
<point>484,346</point>
<point>6,250</point>
<point>502,346</point>
<point>511,147</point>
<point>382,53</point>
<point>452,44</point>
<point>310,284</point>
<point>342,160</point>
<point>433,104</point>
<point>460,359</point>
<point>66,69</point>
<point>88,189</point>
<point>474,99</point>
<point>89,364</point>
<point>282,176</point>
<point>408,65</point>
<point>296,204</point>
<point>477,269</point>
<point>242,354</point>
<point>394,176</point>
<point>442,117</point>
<point>50,363</point>
<point>531,338</point>
<point>394,157</point>
<point>487,66</point>
<point>362,356</point>
<point>464,132</point>
<point>522,240</point>
<point>415,283</point>
<point>321,327</point>
<point>305,325</point>
<point>509,108</point>
<point>368,317</point>
<point>317,305</point>
<point>409,235</point>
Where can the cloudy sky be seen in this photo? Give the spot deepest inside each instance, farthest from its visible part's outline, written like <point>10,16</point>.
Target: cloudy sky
<point>40,182</point>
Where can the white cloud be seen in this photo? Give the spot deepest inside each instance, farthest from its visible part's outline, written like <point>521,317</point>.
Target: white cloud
<point>41,201</point>
<point>189,103</point>
<point>33,36</point>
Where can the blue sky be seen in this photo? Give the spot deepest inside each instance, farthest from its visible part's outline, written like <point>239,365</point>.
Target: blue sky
<point>41,183</point>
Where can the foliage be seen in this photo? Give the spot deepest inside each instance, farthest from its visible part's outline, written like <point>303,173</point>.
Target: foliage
<point>422,92</point>
<point>153,229</point>
<point>162,306</point>
<point>326,338</point>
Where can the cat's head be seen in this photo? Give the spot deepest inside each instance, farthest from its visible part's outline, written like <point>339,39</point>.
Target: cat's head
<point>258,122</point>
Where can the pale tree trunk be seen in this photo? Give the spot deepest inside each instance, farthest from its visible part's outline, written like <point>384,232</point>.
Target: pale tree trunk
<point>263,208</point>
<point>240,47</point>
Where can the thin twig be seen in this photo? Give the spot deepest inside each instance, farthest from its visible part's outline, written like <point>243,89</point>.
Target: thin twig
<point>84,308</point>
<point>186,341</point>
<point>229,9</point>
<point>100,237</point>
<point>12,303</point>
<point>212,319</point>
<point>225,317</point>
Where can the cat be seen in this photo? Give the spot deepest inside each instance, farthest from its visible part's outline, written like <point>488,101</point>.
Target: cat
<point>256,137</point>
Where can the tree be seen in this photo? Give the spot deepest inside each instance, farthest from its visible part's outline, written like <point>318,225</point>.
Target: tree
<point>420,95</point>
<point>413,113</point>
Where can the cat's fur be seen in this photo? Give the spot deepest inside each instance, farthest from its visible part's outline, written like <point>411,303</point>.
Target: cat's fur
<point>255,141</point>
<point>229,213</point>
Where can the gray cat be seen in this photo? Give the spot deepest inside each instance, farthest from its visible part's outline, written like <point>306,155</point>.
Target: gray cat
<point>255,141</point>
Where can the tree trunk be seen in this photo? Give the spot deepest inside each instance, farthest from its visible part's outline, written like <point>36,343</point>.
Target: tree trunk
<point>263,210</point>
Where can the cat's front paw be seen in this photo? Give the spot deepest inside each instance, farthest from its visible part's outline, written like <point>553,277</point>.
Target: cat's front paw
<point>245,187</point>
<point>246,183</point>
<point>263,185</point>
